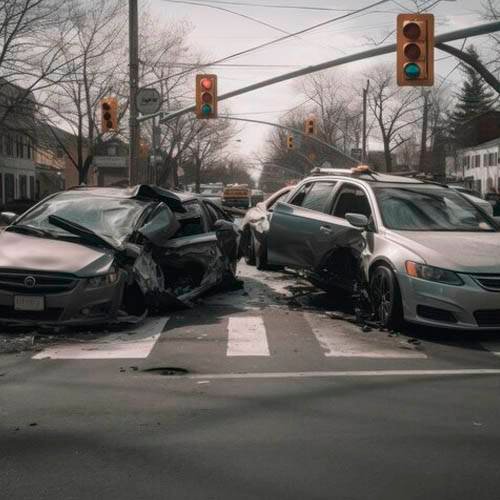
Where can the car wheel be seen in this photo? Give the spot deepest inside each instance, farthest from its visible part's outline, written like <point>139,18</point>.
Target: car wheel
<point>250,250</point>
<point>260,252</point>
<point>386,297</point>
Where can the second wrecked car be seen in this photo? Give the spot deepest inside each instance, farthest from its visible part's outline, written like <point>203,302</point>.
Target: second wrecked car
<point>98,255</point>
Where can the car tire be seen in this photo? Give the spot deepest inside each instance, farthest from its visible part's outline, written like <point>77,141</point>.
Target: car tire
<point>386,297</point>
<point>260,252</point>
<point>250,250</point>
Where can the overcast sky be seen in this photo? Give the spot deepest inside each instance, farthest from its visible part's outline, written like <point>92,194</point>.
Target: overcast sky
<point>217,34</point>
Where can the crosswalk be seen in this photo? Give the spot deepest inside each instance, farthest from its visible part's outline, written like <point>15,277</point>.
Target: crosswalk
<point>248,335</point>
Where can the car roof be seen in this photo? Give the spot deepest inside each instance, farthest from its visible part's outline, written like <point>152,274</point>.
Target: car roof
<point>370,176</point>
<point>141,192</point>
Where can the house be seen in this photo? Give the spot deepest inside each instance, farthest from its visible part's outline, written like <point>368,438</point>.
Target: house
<point>17,165</point>
<point>479,166</point>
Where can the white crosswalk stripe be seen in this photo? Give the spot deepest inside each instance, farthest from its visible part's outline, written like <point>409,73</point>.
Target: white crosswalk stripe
<point>341,339</point>
<point>247,336</point>
<point>124,345</point>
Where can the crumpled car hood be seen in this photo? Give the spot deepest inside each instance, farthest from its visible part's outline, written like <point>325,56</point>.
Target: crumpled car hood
<point>463,252</point>
<point>18,251</point>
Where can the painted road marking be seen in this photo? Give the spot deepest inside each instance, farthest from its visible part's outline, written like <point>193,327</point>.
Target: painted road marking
<point>137,344</point>
<point>341,374</point>
<point>342,339</point>
<point>247,336</point>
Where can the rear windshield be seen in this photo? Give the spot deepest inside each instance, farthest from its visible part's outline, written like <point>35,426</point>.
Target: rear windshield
<point>429,208</point>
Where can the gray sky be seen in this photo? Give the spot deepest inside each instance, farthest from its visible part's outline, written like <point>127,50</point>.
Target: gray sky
<point>217,34</point>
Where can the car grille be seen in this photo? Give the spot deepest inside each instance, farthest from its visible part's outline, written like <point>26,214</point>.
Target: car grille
<point>9,313</point>
<point>44,283</point>
<point>489,317</point>
<point>489,281</point>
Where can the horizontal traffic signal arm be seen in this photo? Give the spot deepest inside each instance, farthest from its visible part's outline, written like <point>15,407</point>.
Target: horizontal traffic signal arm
<point>482,29</point>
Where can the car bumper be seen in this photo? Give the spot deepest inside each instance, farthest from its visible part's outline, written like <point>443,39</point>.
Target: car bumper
<point>466,307</point>
<point>79,306</point>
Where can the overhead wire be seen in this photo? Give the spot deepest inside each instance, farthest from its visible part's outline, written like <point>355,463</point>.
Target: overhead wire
<point>276,40</point>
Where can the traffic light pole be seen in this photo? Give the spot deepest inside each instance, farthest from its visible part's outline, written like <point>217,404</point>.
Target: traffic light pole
<point>365,113</point>
<point>134,88</point>
<point>295,131</point>
<point>482,29</point>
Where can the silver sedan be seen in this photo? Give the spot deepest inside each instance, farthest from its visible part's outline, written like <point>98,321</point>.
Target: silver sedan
<point>423,252</point>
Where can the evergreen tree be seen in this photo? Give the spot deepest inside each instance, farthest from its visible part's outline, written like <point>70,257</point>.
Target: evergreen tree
<point>474,97</point>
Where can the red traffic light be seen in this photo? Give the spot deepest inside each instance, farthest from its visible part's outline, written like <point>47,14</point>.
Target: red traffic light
<point>207,83</point>
<point>206,96</point>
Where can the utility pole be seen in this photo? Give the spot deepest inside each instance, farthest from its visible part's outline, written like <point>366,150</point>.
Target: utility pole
<point>365,102</point>
<point>133,18</point>
<point>425,120</point>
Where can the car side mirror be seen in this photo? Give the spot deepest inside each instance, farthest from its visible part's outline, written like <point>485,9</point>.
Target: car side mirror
<point>357,220</point>
<point>7,218</point>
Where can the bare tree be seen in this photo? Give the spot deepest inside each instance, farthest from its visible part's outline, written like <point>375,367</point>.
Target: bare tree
<point>31,52</point>
<point>395,111</point>
<point>93,38</point>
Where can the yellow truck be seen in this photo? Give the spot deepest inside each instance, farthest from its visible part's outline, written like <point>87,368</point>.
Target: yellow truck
<point>237,195</point>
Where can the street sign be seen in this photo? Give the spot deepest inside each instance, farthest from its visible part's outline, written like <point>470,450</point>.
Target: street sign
<point>148,101</point>
<point>110,161</point>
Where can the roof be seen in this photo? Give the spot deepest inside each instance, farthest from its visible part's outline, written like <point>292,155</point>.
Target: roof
<point>141,191</point>
<point>483,145</point>
<point>370,176</point>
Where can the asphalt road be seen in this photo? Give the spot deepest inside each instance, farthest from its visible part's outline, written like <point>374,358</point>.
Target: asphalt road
<point>266,393</point>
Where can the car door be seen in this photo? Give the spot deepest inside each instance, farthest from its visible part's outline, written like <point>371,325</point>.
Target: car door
<point>225,230</point>
<point>301,227</point>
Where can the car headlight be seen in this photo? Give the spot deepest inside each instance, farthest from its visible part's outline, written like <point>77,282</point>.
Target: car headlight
<point>431,273</point>
<point>103,280</point>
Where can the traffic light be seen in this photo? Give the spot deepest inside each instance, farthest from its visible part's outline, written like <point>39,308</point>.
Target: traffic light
<point>415,48</point>
<point>109,114</point>
<point>206,96</point>
<point>310,126</point>
<point>289,142</point>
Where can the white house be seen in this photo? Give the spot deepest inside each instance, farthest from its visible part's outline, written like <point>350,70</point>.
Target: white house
<point>479,166</point>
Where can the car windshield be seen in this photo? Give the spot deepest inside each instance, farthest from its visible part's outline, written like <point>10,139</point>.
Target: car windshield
<point>429,208</point>
<point>112,218</point>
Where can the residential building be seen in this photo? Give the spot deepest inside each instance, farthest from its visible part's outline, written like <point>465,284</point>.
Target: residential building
<point>479,166</point>
<point>17,166</point>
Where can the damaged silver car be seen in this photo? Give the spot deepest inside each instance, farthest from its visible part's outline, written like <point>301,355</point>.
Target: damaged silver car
<point>411,250</point>
<point>99,255</point>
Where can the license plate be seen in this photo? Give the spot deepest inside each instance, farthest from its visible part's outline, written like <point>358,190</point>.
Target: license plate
<point>29,303</point>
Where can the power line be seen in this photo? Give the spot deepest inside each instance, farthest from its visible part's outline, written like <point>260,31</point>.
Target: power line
<point>279,6</point>
<point>276,40</point>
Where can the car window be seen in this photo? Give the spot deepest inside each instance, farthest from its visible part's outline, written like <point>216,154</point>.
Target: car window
<point>299,196</point>
<point>191,221</point>
<point>281,197</point>
<point>318,196</point>
<point>215,213</point>
<point>351,199</point>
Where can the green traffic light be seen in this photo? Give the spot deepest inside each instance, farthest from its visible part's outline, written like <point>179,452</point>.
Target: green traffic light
<point>412,71</point>
<point>206,109</point>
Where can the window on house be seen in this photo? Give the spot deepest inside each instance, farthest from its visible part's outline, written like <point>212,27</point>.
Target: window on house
<point>485,160</point>
<point>23,187</point>
<point>32,188</point>
<point>10,187</point>
<point>478,161</point>
<point>491,160</point>
<point>9,149</point>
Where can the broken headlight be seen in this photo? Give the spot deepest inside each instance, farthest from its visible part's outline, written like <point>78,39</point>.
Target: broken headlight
<point>103,280</point>
<point>431,273</point>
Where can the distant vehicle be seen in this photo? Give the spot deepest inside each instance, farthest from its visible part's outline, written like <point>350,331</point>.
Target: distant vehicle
<point>237,195</point>
<point>423,252</point>
<point>475,197</point>
<point>254,228</point>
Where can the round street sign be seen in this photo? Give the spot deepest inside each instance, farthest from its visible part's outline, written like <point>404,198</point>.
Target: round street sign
<point>148,101</point>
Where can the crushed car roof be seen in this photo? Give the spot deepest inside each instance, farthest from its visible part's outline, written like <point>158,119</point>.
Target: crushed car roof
<point>141,191</point>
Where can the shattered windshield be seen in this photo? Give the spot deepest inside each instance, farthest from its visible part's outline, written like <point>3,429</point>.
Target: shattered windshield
<point>429,208</point>
<point>111,218</point>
